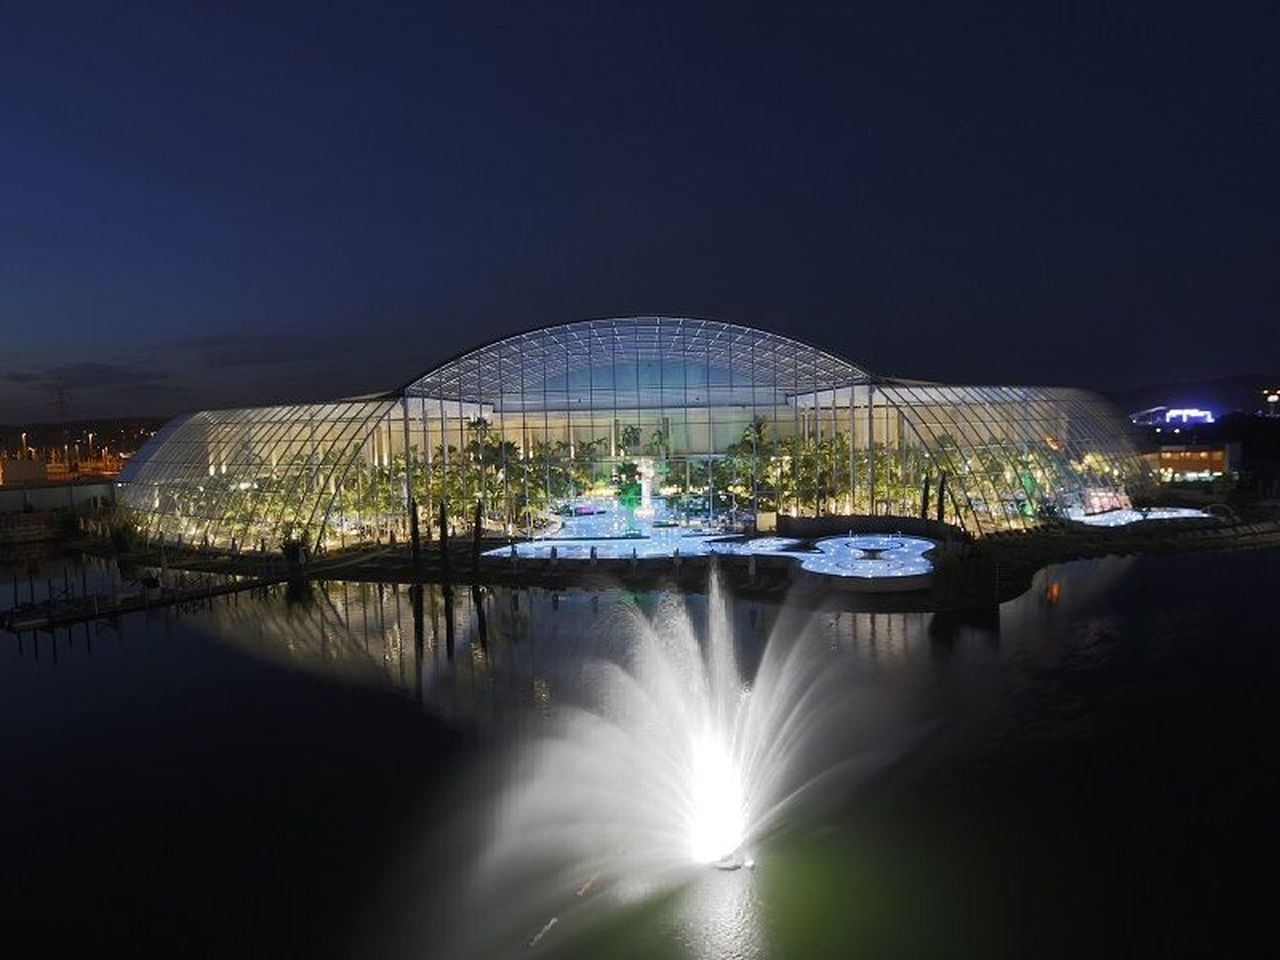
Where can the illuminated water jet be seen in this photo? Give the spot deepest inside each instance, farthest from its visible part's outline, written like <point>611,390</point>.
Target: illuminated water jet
<point>717,809</point>
<point>666,751</point>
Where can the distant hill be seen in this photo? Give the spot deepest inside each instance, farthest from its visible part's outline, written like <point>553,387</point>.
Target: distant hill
<point>1242,392</point>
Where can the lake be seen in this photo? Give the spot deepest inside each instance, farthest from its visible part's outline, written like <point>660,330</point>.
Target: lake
<point>320,770</point>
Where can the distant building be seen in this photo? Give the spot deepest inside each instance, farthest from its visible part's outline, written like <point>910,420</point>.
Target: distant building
<point>1243,448</point>
<point>1189,462</point>
<point>1172,416</point>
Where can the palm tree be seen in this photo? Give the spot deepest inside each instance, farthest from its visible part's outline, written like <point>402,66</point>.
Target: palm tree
<point>629,438</point>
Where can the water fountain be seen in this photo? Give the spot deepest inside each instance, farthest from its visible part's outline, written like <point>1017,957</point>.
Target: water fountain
<point>665,759</point>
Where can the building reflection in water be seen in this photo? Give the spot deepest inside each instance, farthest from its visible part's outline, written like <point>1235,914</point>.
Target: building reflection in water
<point>513,648</point>
<point>397,636</point>
<point>498,657</point>
<point>483,652</point>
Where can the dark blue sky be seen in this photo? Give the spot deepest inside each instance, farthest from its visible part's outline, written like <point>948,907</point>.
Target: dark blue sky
<point>211,203</point>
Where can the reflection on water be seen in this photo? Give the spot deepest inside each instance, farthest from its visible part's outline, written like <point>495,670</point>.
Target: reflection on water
<point>495,645</point>
<point>398,636</point>
<point>721,916</point>
<point>1080,725</point>
<point>54,576</point>
<point>506,663</point>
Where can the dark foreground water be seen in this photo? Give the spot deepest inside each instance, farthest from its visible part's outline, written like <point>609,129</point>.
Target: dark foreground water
<point>308,773</point>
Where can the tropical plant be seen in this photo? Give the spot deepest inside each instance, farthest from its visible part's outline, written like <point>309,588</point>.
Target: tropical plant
<point>629,439</point>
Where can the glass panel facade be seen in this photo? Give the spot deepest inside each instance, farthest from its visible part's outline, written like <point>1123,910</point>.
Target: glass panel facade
<point>704,418</point>
<point>249,479</point>
<point>650,419</point>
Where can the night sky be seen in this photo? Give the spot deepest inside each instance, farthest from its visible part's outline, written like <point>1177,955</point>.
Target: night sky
<point>221,204</point>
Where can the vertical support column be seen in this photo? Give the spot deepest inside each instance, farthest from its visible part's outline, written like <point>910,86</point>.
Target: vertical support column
<point>546,426</point>
<point>755,438</point>
<point>574,490</point>
<point>904,482</point>
<point>817,435</point>
<point>591,411</point>
<point>463,465</point>
<point>709,418</point>
<point>833,484</point>
<point>797,440</point>
<point>871,449</point>
<point>406,493</point>
<point>410,501</point>
<point>502,447</point>
<point>615,439</point>
<point>525,445</point>
<point>445,467</point>
<point>853,452</point>
<point>426,455</point>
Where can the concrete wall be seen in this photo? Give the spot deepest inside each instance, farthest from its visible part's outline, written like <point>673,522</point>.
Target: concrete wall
<point>18,528</point>
<point>56,496</point>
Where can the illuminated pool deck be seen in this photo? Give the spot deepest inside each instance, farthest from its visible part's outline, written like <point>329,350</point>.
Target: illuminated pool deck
<point>1121,518</point>
<point>868,557</point>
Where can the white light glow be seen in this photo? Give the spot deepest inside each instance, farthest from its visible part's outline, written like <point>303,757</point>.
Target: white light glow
<point>898,556</point>
<point>1189,415</point>
<point>717,822</point>
<point>1120,518</point>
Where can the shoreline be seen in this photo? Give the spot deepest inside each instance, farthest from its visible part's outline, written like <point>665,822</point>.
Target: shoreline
<point>968,576</point>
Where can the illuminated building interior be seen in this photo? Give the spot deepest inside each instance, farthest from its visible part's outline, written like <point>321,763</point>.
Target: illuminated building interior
<point>639,422</point>
<point>1191,462</point>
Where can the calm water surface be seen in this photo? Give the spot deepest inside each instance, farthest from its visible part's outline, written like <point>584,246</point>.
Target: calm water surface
<point>307,773</point>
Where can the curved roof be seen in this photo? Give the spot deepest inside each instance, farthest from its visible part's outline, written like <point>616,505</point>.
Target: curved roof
<point>562,358</point>
<point>242,476</point>
<point>850,441</point>
<point>1006,448</point>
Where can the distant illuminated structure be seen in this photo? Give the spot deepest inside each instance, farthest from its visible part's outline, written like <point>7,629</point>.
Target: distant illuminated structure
<point>707,423</point>
<point>1188,415</point>
<point>1173,416</point>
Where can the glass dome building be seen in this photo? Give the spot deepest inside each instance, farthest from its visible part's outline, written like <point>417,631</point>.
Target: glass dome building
<point>639,420</point>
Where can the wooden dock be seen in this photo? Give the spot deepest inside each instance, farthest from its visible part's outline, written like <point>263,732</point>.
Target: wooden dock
<point>64,612</point>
